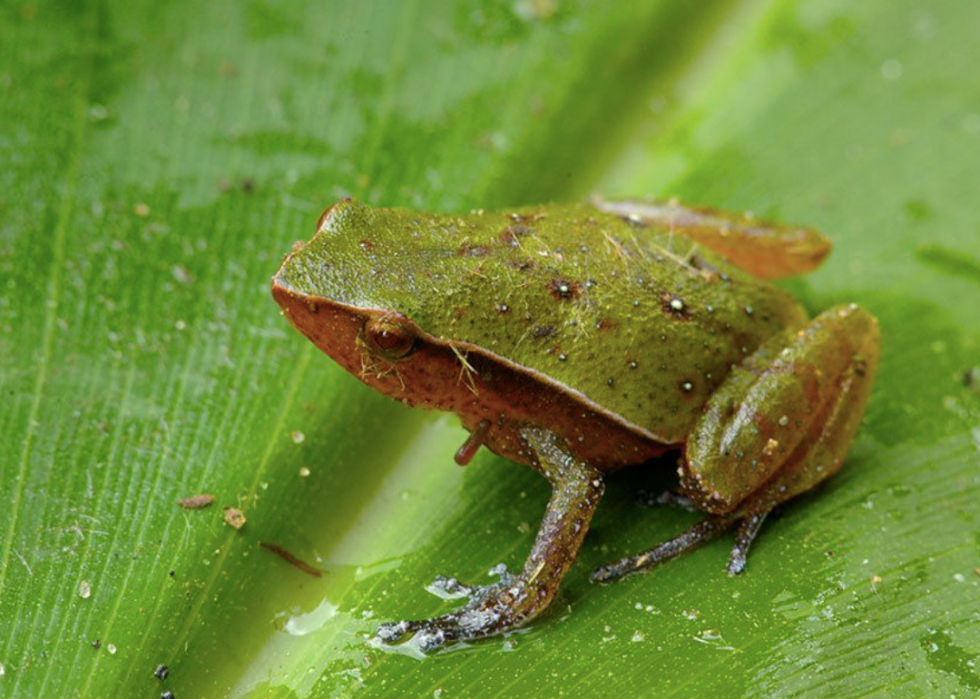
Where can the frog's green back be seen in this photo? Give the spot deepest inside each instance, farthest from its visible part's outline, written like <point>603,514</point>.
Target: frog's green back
<point>639,320</point>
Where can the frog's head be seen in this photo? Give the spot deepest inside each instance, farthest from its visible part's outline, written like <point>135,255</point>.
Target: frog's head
<point>433,311</point>
<point>353,291</point>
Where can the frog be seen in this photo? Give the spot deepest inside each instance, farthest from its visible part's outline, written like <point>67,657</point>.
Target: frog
<point>580,339</point>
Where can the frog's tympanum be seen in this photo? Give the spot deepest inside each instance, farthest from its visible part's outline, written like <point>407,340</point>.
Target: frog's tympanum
<point>579,339</point>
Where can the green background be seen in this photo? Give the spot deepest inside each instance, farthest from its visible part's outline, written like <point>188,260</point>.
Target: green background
<point>157,160</point>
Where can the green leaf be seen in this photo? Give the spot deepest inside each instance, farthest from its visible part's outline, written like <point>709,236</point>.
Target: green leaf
<point>159,159</point>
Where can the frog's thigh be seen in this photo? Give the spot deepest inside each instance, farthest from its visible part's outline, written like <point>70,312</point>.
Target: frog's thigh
<point>784,422</point>
<point>765,249</point>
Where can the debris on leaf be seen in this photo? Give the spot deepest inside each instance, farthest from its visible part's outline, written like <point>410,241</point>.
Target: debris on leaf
<point>292,560</point>
<point>196,502</point>
<point>235,517</point>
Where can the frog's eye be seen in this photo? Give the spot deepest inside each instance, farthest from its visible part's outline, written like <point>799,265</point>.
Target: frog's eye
<point>392,337</point>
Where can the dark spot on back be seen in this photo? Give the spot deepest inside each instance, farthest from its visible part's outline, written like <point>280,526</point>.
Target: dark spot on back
<point>606,324</point>
<point>543,331</point>
<point>366,245</point>
<point>675,306</point>
<point>564,290</point>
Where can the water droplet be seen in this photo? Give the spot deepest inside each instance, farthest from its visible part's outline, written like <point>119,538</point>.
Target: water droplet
<point>891,69</point>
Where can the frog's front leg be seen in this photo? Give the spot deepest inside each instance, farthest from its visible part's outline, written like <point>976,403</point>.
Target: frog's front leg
<point>779,425</point>
<point>515,600</point>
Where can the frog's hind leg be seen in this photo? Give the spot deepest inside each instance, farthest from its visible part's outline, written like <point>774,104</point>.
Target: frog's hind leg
<point>516,599</point>
<point>782,423</point>
<point>764,249</point>
<point>704,531</point>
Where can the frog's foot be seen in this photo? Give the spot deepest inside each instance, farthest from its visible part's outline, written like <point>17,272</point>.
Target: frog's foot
<point>704,531</point>
<point>516,599</point>
<point>451,588</point>
<point>488,612</point>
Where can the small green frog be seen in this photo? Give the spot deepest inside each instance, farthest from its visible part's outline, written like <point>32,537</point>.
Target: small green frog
<point>580,339</point>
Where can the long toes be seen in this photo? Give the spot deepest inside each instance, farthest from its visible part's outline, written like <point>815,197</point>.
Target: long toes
<point>394,631</point>
<point>432,638</point>
<point>491,610</point>
<point>611,572</point>
<point>629,565</point>
<point>707,529</point>
<point>425,635</point>
<point>450,588</point>
<point>748,529</point>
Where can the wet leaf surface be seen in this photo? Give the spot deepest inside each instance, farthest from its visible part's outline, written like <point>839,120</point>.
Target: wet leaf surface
<point>160,159</point>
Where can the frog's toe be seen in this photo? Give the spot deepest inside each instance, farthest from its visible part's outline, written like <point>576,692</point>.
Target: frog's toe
<point>506,577</point>
<point>704,531</point>
<point>748,528</point>
<point>450,588</point>
<point>425,636</point>
<point>474,621</point>
<point>394,632</point>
